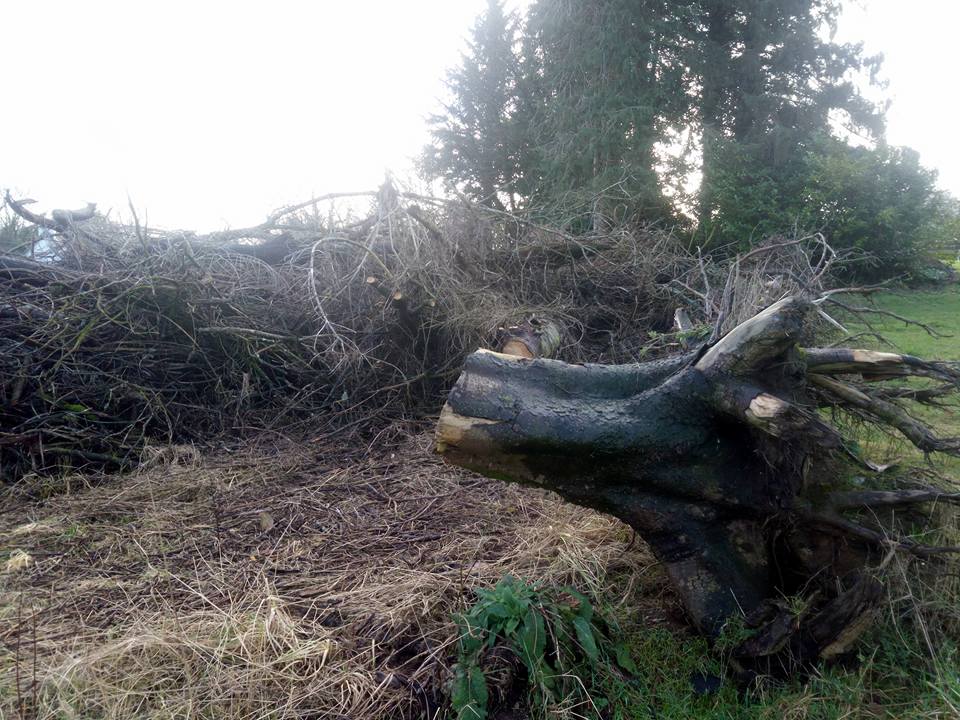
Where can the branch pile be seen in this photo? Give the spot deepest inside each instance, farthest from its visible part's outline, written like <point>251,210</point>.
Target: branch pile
<point>112,334</point>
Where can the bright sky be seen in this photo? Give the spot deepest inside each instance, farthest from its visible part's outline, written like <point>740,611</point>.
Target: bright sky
<point>918,42</point>
<point>211,114</point>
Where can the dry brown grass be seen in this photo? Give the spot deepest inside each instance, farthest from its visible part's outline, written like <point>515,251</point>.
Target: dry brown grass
<point>281,581</point>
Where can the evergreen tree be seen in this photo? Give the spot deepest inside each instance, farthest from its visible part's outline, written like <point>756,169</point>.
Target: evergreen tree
<point>478,139</point>
<point>570,108</point>
<point>612,81</point>
<point>767,85</point>
<point>581,104</point>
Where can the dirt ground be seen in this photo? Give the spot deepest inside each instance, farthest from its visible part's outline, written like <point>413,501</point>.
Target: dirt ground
<point>306,580</point>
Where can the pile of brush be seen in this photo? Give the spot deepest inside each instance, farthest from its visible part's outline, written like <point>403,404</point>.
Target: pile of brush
<point>113,334</point>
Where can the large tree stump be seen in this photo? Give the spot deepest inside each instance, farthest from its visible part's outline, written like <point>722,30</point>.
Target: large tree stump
<point>710,457</point>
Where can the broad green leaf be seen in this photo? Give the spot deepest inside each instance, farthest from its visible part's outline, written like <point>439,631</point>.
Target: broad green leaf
<point>471,639</point>
<point>585,636</point>
<point>498,610</point>
<point>624,660</point>
<point>533,637</point>
<point>584,607</point>
<point>478,693</point>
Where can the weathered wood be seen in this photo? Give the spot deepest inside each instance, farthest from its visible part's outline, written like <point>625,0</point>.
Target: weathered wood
<point>889,413</point>
<point>875,365</point>
<point>705,454</point>
<point>61,219</point>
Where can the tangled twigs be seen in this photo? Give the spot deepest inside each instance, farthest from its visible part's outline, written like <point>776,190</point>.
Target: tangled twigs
<point>118,333</point>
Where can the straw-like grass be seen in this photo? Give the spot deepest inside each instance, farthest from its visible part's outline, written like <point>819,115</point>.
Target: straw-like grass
<point>311,581</point>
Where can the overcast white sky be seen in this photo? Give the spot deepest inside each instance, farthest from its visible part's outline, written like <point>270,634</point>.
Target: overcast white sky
<point>214,113</point>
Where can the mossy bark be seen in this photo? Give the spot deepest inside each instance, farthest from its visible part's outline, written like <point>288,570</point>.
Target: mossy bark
<point>706,455</point>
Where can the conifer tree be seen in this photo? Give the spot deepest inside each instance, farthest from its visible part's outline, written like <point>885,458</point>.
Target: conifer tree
<point>569,108</point>
<point>612,83</point>
<point>767,85</point>
<point>477,139</point>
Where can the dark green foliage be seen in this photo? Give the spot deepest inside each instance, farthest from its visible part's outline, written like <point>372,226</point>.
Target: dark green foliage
<point>881,201</point>
<point>767,82</point>
<point>612,83</point>
<point>568,111</point>
<point>878,201</point>
<point>569,652</point>
<point>945,236</point>
<point>478,141</point>
<point>574,101</point>
<point>750,199</point>
<point>565,107</point>
<point>773,91</point>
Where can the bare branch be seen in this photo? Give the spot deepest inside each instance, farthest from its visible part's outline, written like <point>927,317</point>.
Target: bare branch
<point>863,310</point>
<point>888,498</point>
<point>848,527</point>
<point>876,365</point>
<point>888,413</point>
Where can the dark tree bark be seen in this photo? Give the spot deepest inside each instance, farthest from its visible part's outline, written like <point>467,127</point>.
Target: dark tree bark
<point>708,455</point>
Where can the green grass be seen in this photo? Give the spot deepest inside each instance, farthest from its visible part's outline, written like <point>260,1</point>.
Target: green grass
<point>895,678</point>
<point>940,309</point>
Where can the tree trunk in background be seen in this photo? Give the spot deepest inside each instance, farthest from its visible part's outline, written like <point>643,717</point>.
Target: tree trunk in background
<point>713,76</point>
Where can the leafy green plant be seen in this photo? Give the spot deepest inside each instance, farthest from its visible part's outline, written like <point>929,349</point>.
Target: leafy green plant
<point>566,647</point>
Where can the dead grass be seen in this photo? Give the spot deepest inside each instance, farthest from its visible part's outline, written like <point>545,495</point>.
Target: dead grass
<point>280,581</point>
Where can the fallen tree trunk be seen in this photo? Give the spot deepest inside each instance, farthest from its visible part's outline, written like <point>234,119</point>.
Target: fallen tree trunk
<point>709,456</point>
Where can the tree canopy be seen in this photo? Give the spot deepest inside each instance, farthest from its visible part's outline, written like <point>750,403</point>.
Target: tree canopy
<point>577,106</point>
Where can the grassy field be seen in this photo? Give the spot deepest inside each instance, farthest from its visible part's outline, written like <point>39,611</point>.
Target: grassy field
<point>938,308</point>
<point>267,585</point>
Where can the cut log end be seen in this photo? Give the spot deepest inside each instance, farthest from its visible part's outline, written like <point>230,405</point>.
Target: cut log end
<point>532,338</point>
<point>456,431</point>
